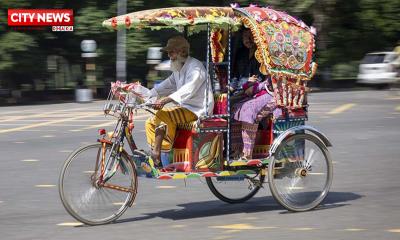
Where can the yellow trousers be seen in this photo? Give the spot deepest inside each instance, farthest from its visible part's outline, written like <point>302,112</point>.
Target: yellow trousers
<point>169,117</point>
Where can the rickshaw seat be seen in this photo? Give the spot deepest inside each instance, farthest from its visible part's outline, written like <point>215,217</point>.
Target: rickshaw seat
<point>206,124</point>
<point>220,107</point>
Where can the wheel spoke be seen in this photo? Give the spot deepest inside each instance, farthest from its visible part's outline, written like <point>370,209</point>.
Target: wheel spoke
<point>235,189</point>
<point>89,200</point>
<point>295,186</point>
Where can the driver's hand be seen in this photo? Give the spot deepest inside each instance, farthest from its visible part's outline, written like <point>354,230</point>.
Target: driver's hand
<point>159,104</point>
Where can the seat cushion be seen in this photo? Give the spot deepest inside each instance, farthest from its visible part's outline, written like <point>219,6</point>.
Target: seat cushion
<point>204,124</point>
<point>213,123</point>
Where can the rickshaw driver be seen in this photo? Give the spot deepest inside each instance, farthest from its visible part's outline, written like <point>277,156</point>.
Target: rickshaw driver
<point>186,87</point>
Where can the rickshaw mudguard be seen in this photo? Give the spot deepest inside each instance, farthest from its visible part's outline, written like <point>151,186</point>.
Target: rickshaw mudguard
<point>292,131</point>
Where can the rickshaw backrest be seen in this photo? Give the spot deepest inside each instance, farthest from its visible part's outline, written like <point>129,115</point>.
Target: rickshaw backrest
<point>220,103</point>
<point>285,47</point>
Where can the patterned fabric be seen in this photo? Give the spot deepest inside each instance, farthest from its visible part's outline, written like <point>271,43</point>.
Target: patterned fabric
<point>285,48</point>
<point>249,113</point>
<point>249,133</point>
<point>175,17</point>
<point>236,137</point>
<point>284,44</point>
<point>253,110</point>
<point>170,117</point>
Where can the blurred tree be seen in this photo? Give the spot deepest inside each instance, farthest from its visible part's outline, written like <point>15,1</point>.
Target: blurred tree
<point>347,29</point>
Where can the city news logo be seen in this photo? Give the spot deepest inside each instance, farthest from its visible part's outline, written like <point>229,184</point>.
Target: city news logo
<point>58,19</point>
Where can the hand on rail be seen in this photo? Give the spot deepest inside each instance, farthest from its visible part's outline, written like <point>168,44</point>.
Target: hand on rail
<point>159,104</point>
<point>253,78</point>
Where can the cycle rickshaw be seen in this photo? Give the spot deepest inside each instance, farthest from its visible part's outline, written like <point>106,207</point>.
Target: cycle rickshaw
<point>99,181</point>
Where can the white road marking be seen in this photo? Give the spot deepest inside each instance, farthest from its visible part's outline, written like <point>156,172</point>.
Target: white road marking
<point>393,98</point>
<point>66,151</point>
<point>13,118</point>
<point>118,203</point>
<point>342,108</point>
<point>47,136</point>
<point>233,231</point>
<point>44,123</point>
<point>355,229</point>
<point>302,229</point>
<point>19,142</point>
<point>222,237</point>
<point>70,224</point>
<point>45,186</point>
<point>30,160</point>
<point>94,126</point>
<point>165,187</point>
<point>250,218</point>
<point>178,226</point>
<point>394,230</point>
<point>241,226</point>
<point>295,188</point>
<point>110,123</point>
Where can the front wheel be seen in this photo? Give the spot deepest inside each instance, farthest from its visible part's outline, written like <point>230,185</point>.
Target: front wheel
<point>300,172</point>
<point>84,192</point>
<point>236,189</point>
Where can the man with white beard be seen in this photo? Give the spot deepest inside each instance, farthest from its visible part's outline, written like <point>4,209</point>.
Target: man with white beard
<point>186,87</point>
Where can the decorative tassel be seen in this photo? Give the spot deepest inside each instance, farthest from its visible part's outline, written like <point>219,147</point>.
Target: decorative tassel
<point>284,90</point>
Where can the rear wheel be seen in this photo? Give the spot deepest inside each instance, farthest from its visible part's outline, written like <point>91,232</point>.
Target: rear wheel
<point>85,196</point>
<point>300,172</point>
<point>236,189</point>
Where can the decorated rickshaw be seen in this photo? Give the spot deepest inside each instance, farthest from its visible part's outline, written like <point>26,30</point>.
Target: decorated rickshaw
<point>99,181</point>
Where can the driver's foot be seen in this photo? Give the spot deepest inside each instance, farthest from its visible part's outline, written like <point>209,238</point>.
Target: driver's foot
<point>156,159</point>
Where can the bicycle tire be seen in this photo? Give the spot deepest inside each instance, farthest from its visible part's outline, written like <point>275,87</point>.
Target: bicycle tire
<point>224,196</point>
<point>302,183</point>
<point>104,205</point>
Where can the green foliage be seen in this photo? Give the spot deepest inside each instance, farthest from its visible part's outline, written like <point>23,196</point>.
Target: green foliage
<point>88,21</point>
<point>347,29</point>
<point>12,44</point>
<point>345,70</point>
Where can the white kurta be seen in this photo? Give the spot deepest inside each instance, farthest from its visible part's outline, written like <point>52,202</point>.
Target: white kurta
<point>188,87</point>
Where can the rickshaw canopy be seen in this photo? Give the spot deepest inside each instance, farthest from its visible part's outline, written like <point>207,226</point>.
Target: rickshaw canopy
<point>285,45</point>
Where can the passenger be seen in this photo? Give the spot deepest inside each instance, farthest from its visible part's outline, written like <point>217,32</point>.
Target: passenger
<point>186,87</point>
<point>257,104</point>
<point>245,68</point>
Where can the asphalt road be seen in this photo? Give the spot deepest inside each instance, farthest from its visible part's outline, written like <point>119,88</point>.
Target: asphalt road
<point>364,201</point>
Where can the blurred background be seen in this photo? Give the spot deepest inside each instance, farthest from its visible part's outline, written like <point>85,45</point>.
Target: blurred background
<point>41,65</point>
